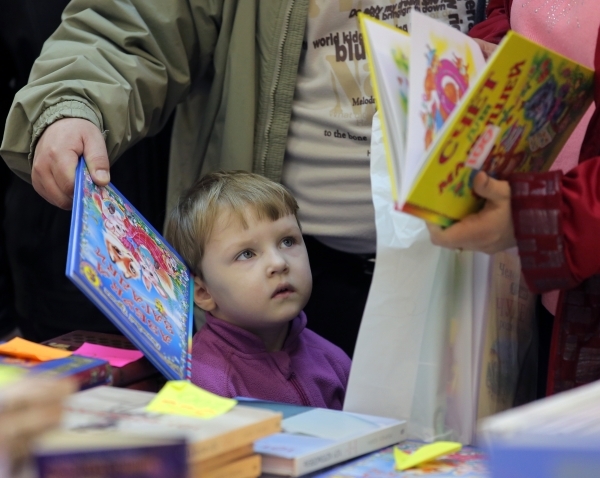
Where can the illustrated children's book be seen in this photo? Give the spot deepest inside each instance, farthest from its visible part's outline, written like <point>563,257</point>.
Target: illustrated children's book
<point>447,114</point>
<point>122,376</point>
<point>132,274</point>
<point>212,443</point>
<point>87,371</point>
<point>109,454</point>
<point>469,462</point>
<point>314,438</point>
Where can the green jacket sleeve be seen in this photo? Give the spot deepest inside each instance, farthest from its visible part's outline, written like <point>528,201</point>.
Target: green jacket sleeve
<point>123,64</point>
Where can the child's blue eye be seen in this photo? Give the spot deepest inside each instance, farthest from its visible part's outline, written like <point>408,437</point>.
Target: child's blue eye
<point>288,242</point>
<point>245,255</point>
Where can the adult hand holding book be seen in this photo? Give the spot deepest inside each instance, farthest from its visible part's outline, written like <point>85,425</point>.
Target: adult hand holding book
<point>57,154</point>
<point>447,113</point>
<point>489,230</point>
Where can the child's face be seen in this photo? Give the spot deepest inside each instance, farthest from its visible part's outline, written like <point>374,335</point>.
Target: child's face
<point>255,278</point>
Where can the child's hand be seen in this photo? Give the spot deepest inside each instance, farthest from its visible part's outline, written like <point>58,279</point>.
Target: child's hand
<point>489,230</point>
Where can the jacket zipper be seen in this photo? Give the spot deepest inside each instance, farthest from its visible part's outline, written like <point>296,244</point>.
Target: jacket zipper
<point>288,16</point>
<point>301,394</point>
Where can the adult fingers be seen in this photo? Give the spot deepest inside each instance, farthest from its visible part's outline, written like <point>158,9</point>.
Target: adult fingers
<point>57,154</point>
<point>489,188</point>
<point>96,157</point>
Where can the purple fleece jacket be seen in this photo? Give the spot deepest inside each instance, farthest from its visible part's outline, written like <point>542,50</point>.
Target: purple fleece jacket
<point>308,370</point>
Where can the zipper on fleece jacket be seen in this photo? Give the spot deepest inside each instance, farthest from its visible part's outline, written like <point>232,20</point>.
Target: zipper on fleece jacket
<point>301,394</point>
<point>288,15</point>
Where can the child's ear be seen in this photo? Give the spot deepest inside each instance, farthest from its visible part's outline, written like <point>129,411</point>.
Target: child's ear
<point>202,297</point>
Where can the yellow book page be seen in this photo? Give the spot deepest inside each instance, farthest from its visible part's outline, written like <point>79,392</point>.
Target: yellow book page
<point>516,117</point>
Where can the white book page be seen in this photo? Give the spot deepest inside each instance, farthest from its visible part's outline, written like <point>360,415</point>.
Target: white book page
<point>443,64</point>
<point>390,49</point>
<point>574,413</point>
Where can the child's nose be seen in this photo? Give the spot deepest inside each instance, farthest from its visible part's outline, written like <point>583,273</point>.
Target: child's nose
<point>277,263</point>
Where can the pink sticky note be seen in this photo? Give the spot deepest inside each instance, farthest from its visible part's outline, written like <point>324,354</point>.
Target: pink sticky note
<point>114,356</point>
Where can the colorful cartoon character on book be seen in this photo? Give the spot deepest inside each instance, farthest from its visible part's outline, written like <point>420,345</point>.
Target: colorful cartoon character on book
<point>446,81</point>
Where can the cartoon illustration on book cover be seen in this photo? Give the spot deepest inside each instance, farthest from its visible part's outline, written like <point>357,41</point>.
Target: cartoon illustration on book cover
<point>131,269</point>
<point>551,100</point>
<point>468,462</point>
<point>515,117</point>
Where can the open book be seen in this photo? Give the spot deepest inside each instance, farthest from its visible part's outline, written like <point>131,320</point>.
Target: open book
<point>128,270</point>
<point>446,113</point>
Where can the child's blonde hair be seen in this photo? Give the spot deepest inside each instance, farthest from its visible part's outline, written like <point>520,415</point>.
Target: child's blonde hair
<point>190,223</point>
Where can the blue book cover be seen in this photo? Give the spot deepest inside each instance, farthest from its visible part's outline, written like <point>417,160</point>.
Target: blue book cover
<point>109,454</point>
<point>128,270</point>
<point>88,371</point>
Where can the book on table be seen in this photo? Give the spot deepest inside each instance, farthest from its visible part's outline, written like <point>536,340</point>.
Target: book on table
<point>314,438</point>
<point>109,454</point>
<point>87,371</point>
<point>217,447</point>
<point>555,436</point>
<point>469,462</point>
<point>446,113</point>
<point>128,270</point>
<point>129,374</point>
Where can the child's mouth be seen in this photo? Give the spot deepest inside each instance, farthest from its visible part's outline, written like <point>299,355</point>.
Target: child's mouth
<point>284,290</point>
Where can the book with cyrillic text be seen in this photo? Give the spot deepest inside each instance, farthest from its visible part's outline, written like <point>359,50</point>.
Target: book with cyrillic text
<point>447,114</point>
<point>130,272</point>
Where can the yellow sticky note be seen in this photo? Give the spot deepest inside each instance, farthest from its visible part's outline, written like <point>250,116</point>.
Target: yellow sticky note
<point>179,397</point>
<point>22,348</point>
<point>10,374</point>
<point>426,453</point>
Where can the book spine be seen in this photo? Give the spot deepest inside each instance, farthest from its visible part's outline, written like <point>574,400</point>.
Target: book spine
<point>349,449</point>
<point>167,461</point>
<point>234,439</point>
<point>245,468</point>
<point>93,376</point>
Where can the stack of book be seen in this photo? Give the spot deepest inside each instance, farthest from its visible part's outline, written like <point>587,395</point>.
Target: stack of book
<point>221,447</point>
<point>314,438</point>
<point>67,454</point>
<point>39,359</point>
<point>139,374</point>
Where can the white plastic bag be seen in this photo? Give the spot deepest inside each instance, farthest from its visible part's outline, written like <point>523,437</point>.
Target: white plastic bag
<point>419,344</point>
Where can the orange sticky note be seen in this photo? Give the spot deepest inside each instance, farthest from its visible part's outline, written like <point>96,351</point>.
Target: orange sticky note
<point>22,348</point>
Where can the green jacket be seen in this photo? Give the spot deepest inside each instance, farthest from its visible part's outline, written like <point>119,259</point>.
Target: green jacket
<point>227,66</point>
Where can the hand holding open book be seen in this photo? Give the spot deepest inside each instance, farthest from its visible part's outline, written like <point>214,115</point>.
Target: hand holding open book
<point>447,114</point>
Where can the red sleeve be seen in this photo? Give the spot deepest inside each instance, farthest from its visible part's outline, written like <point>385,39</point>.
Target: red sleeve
<point>496,24</point>
<point>557,225</point>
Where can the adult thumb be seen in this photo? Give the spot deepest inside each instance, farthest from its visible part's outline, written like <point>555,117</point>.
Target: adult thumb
<point>489,188</point>
<point>96,157</point>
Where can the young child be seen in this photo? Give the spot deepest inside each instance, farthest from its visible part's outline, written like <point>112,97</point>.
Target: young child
<point>239,234</point>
